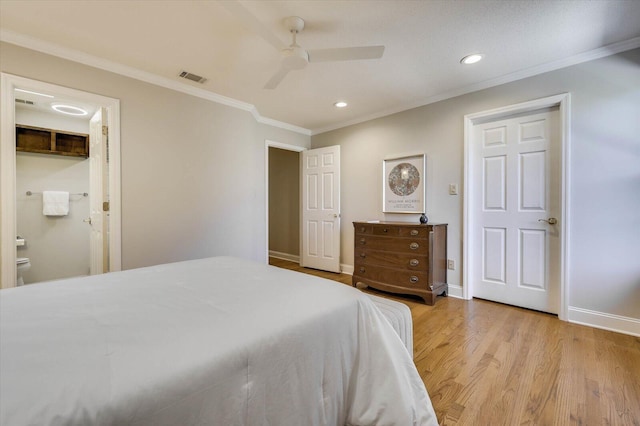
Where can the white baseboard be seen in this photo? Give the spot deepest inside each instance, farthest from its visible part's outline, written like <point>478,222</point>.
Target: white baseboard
<point>346,269</point>
<point>605,321</point>
<point>455,291</point>
<point>284,256</point>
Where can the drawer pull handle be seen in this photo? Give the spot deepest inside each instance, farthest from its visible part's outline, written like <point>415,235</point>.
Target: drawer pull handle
<point>363,255</point>
<point>414,279</point>
<point>362,229</point>
<point>414,232</point>
<point>362,270</point>
<point>385,230</point>
<point>363,241</point>
<point>413,246</point>
<point>414,262</point>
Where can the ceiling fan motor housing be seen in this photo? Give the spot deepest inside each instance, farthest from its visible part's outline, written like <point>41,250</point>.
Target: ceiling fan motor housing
<point>295,58</point>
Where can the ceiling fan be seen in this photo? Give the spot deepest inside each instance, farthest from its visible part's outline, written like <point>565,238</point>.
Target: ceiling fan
<point>295,57</point>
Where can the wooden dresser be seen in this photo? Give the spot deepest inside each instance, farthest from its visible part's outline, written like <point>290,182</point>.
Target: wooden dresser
<point>402,258</point>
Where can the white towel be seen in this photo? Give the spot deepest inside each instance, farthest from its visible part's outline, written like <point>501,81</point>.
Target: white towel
<point>55,203</point>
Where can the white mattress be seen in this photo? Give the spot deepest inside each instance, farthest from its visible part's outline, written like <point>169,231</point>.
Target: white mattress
<point>218,341</point>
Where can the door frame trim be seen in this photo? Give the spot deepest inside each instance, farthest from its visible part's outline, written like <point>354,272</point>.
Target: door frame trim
<point>288,147</point>
<point>8,219</point>
<point>563,102</point>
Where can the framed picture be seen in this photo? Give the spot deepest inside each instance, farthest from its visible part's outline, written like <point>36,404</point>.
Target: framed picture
<point>404,184</point>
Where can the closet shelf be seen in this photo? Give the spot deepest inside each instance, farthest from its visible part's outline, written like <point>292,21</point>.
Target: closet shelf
<point>49,141</point>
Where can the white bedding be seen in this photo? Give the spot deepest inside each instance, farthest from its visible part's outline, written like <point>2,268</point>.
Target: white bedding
<point>218,341</point>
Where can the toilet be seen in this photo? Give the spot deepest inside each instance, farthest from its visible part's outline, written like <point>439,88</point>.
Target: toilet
<point>22,265</point>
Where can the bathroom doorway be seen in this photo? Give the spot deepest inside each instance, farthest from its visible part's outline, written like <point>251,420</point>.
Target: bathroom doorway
<point>87,238</point>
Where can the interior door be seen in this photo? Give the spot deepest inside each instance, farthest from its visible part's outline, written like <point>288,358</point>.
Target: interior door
<point>515,205</point>
<point>98,133</point>
<point>321,209</point>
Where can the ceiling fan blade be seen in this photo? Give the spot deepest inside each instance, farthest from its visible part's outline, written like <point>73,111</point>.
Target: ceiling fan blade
<point>276,78</point>
<point>252,23</point>
<point>345,53</point>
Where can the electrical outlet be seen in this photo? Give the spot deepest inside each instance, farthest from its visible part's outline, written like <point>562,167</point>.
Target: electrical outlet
<point>453,189</point>
<point>451,264</point>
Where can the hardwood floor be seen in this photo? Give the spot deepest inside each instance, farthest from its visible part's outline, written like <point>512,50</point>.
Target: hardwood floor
<point>485,363</point>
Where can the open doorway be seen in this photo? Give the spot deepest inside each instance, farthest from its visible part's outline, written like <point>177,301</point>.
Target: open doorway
<point>283,201</point>
<point>317,184</point>
<point>26,172</point>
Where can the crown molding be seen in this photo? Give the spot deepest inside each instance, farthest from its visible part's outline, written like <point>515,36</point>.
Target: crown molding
<point>59,51</point>
<point>591,55</point>
<point>282,125</point>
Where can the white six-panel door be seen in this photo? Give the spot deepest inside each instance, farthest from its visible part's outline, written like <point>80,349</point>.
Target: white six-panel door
<point>516,200</point>
<point>321,209</point>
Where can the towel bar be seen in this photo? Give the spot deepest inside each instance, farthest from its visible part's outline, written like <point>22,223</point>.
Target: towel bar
<point>84,194</point>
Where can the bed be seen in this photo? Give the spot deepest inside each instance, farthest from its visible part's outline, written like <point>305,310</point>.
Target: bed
<point>217,341</point>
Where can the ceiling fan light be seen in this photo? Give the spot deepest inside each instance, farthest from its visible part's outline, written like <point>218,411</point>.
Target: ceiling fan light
<point>471,59</point>
<point>340,104</point>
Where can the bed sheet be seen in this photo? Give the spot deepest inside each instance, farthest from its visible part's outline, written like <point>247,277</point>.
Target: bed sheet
<point>217,341</point>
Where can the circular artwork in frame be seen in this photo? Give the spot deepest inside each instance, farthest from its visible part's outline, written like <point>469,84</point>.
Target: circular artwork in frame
<point>404,184</point>
<point>404,179</point>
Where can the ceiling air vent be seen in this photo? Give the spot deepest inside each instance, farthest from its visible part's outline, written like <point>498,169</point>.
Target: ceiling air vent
<point>192,77</point>
<point>22,101</point>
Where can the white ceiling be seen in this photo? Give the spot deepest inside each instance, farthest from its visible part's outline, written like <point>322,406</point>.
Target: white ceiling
<point>424,40</point>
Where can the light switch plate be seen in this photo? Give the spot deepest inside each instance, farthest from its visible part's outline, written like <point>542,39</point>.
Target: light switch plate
<point>453,189</point>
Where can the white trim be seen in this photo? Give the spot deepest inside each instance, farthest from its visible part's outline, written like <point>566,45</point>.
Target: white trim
<point>591,55</point>
<point>59,51</point>
<point>8,274</point>
<point>346,269</point>
<point>605,321</point>
<point>282,125</point>
<point>455,291</point>
<point>273,144</point>
<point>8,172</point>
<point>563,101</point>
<point>284,256</point>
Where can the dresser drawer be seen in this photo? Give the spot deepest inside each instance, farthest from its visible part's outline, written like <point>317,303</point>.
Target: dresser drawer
<point>395,277</point>
<point>396,260</point>
<point>414,232</point>
<point>392,231</point>
<point>363,228</point>
<point>404,245</point>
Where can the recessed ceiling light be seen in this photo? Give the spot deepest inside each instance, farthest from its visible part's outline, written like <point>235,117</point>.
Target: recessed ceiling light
<point>471,59</point>
<point>68,109</point>
<point>33,93</point>
<point>340,104</point>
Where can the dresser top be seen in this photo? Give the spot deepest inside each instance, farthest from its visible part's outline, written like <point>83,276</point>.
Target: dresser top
<point>398,223</point>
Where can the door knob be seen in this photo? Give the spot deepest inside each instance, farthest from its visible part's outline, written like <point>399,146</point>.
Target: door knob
<point>550,221</point>
<point>87,220</point>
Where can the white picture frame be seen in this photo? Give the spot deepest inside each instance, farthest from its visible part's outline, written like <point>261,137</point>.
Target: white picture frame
<point>404,184</point>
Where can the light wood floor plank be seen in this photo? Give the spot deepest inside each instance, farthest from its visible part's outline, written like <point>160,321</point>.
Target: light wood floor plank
<point>485,363</point>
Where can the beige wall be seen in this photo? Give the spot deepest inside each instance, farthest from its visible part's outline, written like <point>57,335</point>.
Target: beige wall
<point>284,201</point>
<point>193,171</point>
<point>604,175</point>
